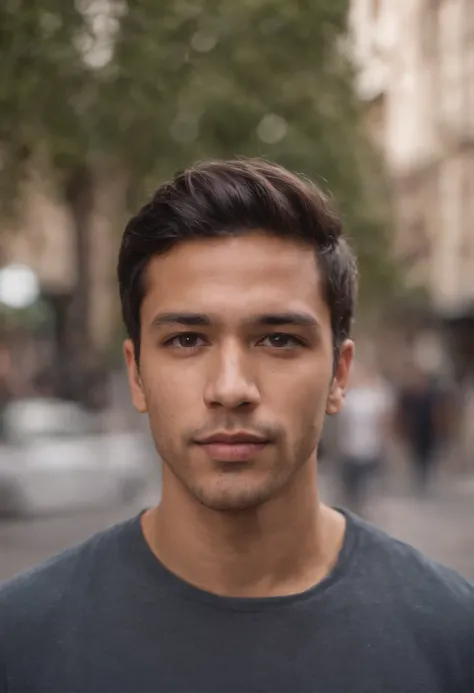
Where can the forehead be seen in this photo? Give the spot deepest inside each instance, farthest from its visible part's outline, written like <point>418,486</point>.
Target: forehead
<point>233,277</point>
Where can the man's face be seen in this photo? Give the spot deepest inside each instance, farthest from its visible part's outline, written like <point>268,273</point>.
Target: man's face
<point>236,366</point>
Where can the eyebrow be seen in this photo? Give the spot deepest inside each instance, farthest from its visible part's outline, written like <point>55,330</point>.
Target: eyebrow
<point>266,319</point>
<point>287,318</point>
<point>189,319</point>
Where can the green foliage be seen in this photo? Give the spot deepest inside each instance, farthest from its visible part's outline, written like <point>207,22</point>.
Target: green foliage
<point>153,85</point>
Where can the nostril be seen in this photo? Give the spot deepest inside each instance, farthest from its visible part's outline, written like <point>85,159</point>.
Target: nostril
<point>243,404</point>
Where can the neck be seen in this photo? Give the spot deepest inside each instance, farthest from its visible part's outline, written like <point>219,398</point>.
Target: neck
<point>283,547</point>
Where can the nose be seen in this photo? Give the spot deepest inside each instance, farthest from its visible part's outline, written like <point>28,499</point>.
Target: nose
<point>230,383</point>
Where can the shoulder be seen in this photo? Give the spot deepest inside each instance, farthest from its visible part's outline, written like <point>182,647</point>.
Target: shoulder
<point>52,591</point>
<point>423,607</point>
<point>410,566</point>
<point>413,583</point>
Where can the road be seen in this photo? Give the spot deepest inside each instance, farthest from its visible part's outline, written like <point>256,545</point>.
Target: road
<point>441,525</point>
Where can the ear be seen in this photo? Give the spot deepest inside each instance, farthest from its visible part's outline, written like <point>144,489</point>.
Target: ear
<point>134,379</point>
<point>335,400</point>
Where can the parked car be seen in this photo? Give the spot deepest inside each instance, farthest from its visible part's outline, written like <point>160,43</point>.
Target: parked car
<point>55,458</point>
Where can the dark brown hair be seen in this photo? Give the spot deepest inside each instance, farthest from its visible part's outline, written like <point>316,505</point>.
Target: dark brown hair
<point>225,198</point>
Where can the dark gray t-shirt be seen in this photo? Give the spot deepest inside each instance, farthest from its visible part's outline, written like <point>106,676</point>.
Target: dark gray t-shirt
<point>108,617</point>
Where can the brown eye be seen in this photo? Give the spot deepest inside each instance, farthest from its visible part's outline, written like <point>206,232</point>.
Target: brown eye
<point>185,340</point>
<point>281,340</point>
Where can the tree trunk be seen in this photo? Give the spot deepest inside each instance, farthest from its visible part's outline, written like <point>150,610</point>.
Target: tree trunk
<point>82,373</point>
<point>79,196</point>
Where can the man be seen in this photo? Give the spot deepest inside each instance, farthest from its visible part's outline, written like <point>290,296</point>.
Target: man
<point>237,290</point>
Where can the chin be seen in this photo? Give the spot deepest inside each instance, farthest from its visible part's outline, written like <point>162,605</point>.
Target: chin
<point>233,499</point>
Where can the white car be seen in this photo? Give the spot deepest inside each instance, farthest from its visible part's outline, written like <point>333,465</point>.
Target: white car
<point>55,458</point>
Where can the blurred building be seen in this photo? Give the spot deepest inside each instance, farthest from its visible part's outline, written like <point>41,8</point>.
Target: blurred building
<point>416,74</point>
<point>43,238</point>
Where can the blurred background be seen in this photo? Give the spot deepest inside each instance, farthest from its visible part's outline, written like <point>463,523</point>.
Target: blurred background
<point>100,101</point>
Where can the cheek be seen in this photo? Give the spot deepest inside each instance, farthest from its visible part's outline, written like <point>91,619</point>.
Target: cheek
<point>302,401</point>
<point>170,393</point>
<point>165,425</point>
<point>303,385</point>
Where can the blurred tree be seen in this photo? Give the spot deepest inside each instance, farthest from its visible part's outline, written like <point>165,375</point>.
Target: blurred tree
<point>149,87</point>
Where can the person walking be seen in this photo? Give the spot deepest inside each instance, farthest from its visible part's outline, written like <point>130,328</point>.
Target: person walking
<point>238,290</point>
<point>423,417</point>
<point>364,430</point>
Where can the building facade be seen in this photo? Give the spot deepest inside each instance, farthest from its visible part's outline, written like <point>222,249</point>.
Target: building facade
<point>415,61</point>
<point>416,71</point>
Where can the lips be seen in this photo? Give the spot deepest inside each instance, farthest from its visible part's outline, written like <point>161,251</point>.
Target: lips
<point>238,447</point>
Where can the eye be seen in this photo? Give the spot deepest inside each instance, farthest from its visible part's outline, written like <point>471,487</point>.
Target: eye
<point>185,340</point>
<point>281,340</point>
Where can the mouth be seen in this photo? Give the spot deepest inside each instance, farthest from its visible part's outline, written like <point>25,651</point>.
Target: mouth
<point>233,447</point>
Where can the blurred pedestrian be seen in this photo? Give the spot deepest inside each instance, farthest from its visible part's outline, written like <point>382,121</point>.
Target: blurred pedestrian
<point>422,418</point>
<point>364,429</point>
<point>238,293</point>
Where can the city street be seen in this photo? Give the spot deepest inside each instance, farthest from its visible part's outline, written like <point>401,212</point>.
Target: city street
<point>441,525</point>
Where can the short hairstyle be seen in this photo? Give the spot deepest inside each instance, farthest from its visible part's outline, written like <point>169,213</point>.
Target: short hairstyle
<point>218,199</point>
